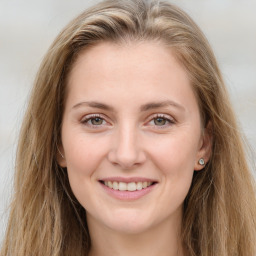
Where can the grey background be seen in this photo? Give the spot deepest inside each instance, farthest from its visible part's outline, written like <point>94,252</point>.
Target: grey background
<point>27,27</point>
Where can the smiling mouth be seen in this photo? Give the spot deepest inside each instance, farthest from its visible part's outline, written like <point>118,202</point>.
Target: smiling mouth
<point>127,186</point>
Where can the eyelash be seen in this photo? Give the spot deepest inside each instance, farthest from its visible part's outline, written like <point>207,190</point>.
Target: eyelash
<point>87,120</point>
<point>166,118</point>
<point>92,117</point>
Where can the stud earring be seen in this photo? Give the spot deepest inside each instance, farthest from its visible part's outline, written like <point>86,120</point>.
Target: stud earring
<point>60,152</point>
<point>201,161</point>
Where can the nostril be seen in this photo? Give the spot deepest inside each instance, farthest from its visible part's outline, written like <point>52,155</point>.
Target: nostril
<point>126,156</point>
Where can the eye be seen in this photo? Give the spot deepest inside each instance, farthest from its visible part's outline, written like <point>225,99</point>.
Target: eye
<point>94,120</point>
<point>161,121</point>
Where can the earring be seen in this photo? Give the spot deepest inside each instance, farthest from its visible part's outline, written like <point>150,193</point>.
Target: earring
<point>201,161</point>
<point>60,152</point>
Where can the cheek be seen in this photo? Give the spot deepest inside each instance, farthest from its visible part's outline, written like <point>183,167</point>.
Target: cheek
<point>83,156</point>
<point>83,153</point>
<point>176,164</point>
<point>175,155</point>
<point>175,158</point>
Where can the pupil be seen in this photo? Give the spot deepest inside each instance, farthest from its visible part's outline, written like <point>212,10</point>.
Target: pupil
<point>160,121</point>
<point>96,121</point>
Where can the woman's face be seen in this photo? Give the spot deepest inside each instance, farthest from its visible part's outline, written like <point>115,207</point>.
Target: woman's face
<point>131,135</point>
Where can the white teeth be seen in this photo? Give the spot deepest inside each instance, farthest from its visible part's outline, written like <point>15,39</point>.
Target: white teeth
<point>139,186</point>
<point>109,184</point>
<point>115,185</point>
<point>122,186</point>
<point>131,186</point>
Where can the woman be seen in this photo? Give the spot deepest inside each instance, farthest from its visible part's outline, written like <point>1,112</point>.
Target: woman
<point>130,145</point>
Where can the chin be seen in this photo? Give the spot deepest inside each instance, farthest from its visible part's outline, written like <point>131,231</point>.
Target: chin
<point>130,228</point>
<point>129,223</point>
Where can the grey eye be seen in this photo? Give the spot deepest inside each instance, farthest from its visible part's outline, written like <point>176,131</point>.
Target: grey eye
<point>96,121</point>
<point>160,121</point>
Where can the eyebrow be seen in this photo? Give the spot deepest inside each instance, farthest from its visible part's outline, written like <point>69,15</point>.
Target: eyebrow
<point>161,104</point>
<point>143,108</point>
<point>94,104</point>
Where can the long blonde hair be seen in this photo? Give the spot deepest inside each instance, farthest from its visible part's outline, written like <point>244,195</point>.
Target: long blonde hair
<point>219,216</point>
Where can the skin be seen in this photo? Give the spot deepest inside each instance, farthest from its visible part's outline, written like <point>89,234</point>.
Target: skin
<point>131,137</point>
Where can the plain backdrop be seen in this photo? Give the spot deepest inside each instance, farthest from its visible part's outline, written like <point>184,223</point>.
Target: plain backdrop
<point>27,28</point>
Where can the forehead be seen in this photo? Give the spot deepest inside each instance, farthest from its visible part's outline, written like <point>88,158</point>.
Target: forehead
<point>145,69</point>
<point>110,57</point>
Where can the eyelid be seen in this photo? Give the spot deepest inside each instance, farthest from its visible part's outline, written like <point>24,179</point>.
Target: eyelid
<point>85,119</point>
<point>170,120</point>
<point>167,117</point>
<point>163,115</point>
<point>88,116</point>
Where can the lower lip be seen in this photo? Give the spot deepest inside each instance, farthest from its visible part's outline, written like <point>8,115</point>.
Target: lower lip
<point>128,195</point>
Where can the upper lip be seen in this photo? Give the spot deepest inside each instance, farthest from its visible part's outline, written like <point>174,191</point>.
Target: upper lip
<point>128,179</point>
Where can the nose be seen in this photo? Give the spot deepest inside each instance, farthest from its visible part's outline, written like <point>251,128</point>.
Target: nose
<point>126,150</point>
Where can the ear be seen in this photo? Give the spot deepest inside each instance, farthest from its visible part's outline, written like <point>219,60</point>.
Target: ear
<point>205,147</point>
<point>61,156</point>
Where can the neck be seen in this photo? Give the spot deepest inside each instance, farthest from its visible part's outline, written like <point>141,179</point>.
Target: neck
<point>163,239</point>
